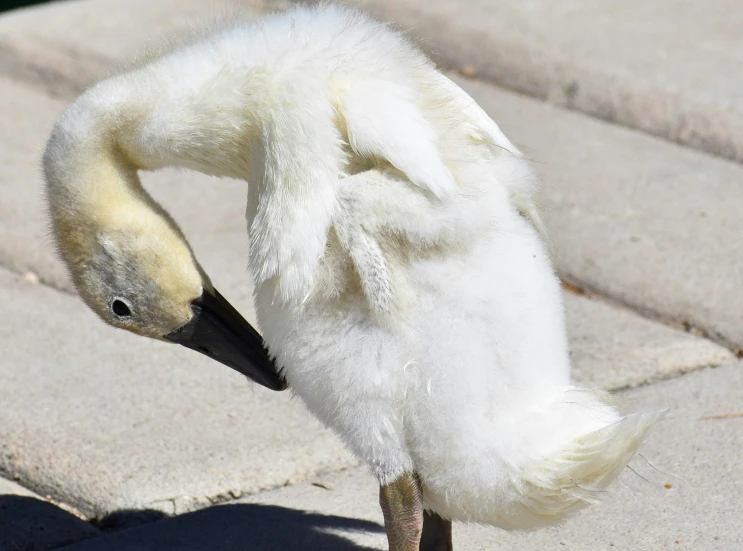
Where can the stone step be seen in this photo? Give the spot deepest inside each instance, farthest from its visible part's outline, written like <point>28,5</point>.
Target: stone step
<point>648,223</point>
<point>63,47</point>
<point>11,488</point>
<point>665,67</point>
<point>614,348</point>
<point>690,501</point>
<point>104,420</point>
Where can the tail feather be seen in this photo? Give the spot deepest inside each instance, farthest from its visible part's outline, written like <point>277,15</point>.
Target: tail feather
<point>556,486</point>
<point>556,455</point>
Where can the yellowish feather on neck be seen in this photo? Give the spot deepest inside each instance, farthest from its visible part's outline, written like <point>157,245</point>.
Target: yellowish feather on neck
<point>99,208</point>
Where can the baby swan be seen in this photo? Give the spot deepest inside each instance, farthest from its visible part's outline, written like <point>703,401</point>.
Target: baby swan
<point>402,282</point>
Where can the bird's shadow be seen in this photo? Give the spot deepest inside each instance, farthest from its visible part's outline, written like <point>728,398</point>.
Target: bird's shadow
<point>232,527</point>
<point>238,527</point>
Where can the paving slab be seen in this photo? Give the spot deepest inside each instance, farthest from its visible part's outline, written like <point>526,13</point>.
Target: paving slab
<point>65,46</point>
<point>666,67</point>
<point>31,523</point>
<point>646,222</point>
<point>24,235</point>
<point>104,420</point>
<point>691,502</point>
<point>9,487</point>
<point>614,348</point>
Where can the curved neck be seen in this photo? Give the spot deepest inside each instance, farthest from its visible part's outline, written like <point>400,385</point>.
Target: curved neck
<point>94,191</point>
<point>224,126</point>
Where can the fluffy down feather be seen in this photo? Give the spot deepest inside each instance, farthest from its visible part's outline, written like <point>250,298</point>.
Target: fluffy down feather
<point>401,275</point>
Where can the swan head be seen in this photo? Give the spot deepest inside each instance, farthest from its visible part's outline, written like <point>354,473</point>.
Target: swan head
<point>135,274</point>
<point>133,266</point>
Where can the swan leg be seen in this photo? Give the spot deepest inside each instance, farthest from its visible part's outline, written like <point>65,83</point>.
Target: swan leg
<point>436,533</point>
<point>402,506</point>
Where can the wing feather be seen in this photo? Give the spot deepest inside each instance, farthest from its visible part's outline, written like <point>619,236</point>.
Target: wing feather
<point>383,120</point>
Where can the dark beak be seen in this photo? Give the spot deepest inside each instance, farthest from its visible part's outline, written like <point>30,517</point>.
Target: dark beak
<point>219,331</point>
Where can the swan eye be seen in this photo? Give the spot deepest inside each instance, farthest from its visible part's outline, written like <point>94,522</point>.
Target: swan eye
<point>121,308</point>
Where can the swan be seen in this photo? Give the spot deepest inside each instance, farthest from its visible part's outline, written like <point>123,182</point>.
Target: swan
<point>403,282</point>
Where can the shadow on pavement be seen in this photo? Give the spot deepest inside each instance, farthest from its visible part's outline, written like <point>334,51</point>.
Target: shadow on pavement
<point>237,528</point>
<point>127,518</point>
<point>30,524</point>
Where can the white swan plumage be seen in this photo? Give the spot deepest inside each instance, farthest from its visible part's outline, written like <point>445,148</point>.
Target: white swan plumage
<point>402,280</point>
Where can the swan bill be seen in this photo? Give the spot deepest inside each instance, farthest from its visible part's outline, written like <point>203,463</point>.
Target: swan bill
<point>218,331</point>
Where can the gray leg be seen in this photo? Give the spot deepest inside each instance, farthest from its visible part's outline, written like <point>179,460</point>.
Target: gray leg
<point>436,533</point>
<point>402,507</point>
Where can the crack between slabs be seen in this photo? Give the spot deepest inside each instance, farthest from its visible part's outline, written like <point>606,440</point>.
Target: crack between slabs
<point>576,287</point>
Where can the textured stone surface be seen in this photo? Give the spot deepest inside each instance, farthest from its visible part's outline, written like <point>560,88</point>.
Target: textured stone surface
<point>24,238</point>
<point>8,487</point>
<point>612,347</point>
<point>65,46</point>
<point>29,523</point>
<point>689,503</point>
<point>105,420</point>
<point>649,223</point>
<point>667,67</point>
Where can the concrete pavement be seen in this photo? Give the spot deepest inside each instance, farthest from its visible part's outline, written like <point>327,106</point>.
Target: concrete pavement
<point>126,430</point>
<point>682,495</point>
<point>650,224</point>
<point>101,421</point>
<point>665,67</point>
<point>612,347</point>
<point>62,47</point>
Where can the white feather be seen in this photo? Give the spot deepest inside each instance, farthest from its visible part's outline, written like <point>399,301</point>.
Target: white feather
<point>383,120</point>
<point>411,305</point>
